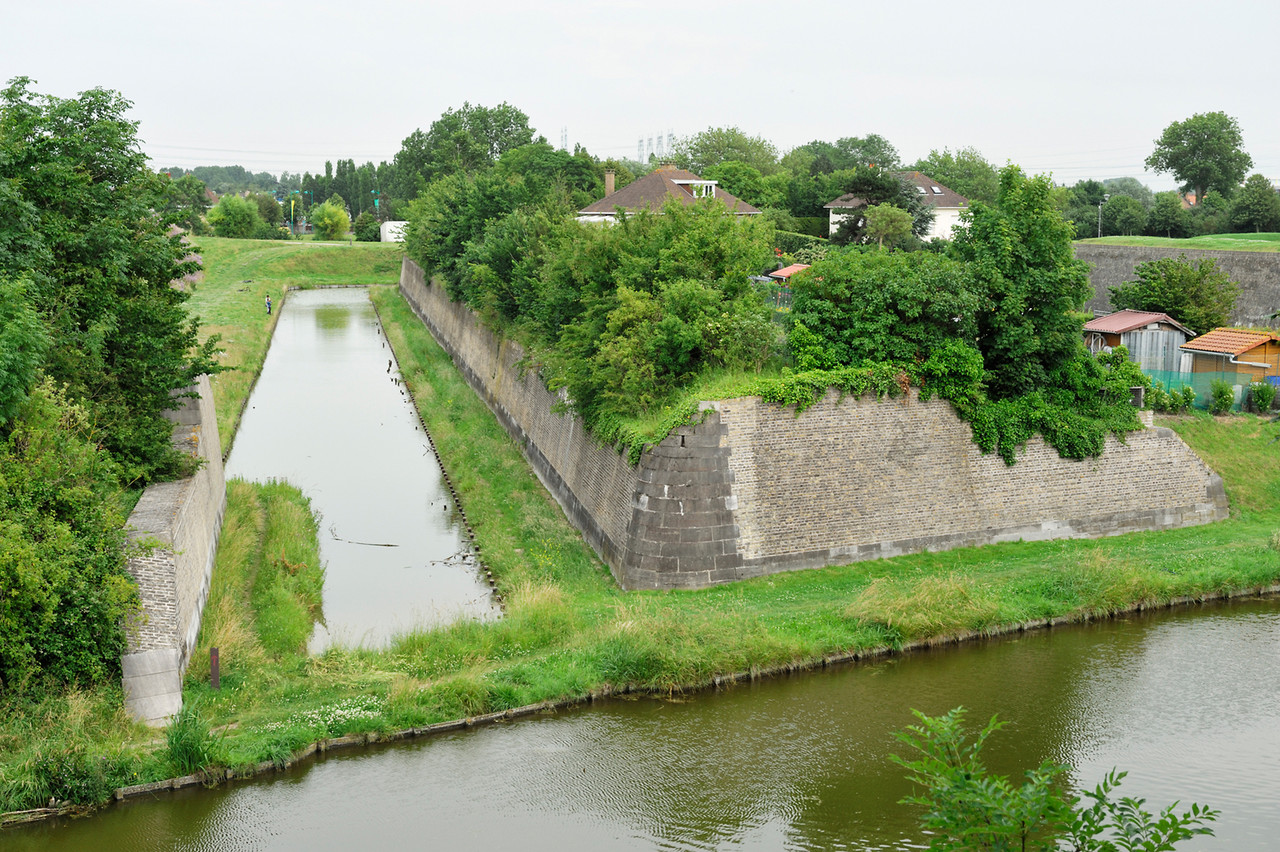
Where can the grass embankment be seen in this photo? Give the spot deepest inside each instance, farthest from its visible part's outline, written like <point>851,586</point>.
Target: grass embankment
<point>569,631</point>
<point>1217,242</point>
<point>231,299</point>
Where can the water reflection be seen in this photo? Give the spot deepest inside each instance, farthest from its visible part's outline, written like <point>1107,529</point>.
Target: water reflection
<point>1188,702</point>
<point>330,415</point>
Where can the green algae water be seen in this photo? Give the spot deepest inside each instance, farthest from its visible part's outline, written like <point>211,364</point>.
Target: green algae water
<point>1188,702</point>
<point>330,415</point>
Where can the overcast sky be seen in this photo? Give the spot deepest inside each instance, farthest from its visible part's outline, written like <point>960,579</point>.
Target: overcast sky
<point>1078,89</point>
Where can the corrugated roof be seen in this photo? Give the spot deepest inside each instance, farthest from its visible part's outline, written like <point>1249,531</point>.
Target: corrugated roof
<point>1127,320</point>
<point>1229,341</point>
<point>787,271</point>
<point>652,191</point>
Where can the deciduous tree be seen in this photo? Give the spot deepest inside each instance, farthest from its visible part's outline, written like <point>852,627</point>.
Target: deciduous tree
<point>715,145</point>
<point>1021,253</point>
<point>886,222</point>
<point>1195,293</point>
<point>1167,216</point>
<point>1257,206</point>
<point>1204,152</point>
<point>966,172</point>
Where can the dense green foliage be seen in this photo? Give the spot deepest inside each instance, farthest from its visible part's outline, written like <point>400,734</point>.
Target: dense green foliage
<point>967,809</point>
<point>96,347</point>
<point>83,223</point>
<point>330,219</point>
<point>1195,293</point>
<point>62,549</point>
<point>1205,152</point>
<point>966,172</point>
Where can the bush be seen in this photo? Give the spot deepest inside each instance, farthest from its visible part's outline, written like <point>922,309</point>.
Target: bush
<point>790,243</point>
<point>967,809</point>
<point>330,221</point>
<point>1222,395</point>
<point>236,217</point>
<point>367,228</point>
<point>191,746</point>
<point>1262,396</point>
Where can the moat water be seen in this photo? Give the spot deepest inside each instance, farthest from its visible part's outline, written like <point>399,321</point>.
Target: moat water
<point>330,415</point>
<point>1187,701</point>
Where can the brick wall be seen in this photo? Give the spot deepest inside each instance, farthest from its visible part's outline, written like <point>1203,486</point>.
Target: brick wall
<point>752,489</point>
<point>183,519</point>
<point>1257,273</point>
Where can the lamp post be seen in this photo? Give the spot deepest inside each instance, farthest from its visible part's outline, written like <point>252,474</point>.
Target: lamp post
<point>1105,198</point>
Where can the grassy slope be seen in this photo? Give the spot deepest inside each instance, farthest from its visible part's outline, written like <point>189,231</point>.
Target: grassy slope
<point>568,629</point>
<point>1221,242</point>
<point>240,274</point>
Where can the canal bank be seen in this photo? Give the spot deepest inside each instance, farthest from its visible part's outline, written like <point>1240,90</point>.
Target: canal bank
<point>571,634</point>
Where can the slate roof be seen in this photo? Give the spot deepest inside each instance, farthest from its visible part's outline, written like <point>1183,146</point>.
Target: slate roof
<point>1229,341</point>
<point>942,197</point>
<point>1127,320</point>
<point>652,191</point>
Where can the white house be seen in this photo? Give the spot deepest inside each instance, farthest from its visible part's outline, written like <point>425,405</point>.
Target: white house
<point>946,205</point>
<point>392,232</point>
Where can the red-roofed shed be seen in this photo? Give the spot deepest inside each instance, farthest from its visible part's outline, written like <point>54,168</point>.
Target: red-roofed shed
<point>1153,339</point>
<point>1228,350</point>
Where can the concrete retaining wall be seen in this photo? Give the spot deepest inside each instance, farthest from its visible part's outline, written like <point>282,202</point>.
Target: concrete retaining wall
<point>753,489</point>
<point>1257,273</point>
<point>184,518</point>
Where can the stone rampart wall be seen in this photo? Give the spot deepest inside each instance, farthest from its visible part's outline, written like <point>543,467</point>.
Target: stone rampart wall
<point>753,489</point>
<point>183,519</point>
<point>1257,273</point>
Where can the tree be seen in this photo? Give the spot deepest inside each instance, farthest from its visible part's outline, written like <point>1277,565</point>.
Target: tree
<point>1204,152</point>
<point>185,200</point>
<point>715,145</point>
<point>366,228</point>
<point>235,217</point>
<point>1122,214</point>
<point>1195,293</point>
<point>1131,187</point>
<point>1167,216</point>
<point>870,187</point>
<point>84,221</point>
<point>742,181</point>
<point>330,220</point>
<point>967,809</point>
<point>852,152</point>
<point>1021,253</point>
<point>884,221</point>
<point>23,342</point>
<point>966,172</point>
<point>465,140</point>
<point>1257,206</point>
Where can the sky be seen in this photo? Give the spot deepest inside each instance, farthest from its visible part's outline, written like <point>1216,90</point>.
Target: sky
<point>1077,90</point>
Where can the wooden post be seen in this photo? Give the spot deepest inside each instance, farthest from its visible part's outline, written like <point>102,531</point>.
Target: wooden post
<point>213,667</point>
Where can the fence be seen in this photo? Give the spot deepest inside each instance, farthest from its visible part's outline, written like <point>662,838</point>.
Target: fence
<point>1202,384</point>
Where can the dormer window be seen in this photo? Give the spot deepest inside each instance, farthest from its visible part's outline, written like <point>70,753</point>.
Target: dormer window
<point>698,188</point>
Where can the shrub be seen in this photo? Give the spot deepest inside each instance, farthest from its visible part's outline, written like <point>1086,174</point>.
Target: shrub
<point>1222,396</point>
<point>191,746</point>
<point>366,228</point>
<point>1262,396</point>
<point>967,809</point>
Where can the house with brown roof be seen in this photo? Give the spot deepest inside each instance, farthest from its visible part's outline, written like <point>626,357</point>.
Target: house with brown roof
<point>655,189</point>
<point>1154,340</point>
<point>947,205</point>
<point>1250,354</point>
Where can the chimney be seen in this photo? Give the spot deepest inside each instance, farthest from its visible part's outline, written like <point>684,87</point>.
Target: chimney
<point>666,166</point>
<point>608,182</point>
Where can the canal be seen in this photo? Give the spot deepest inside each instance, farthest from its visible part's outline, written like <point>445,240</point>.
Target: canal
<point>1187,701</point>
<point>330,415</point>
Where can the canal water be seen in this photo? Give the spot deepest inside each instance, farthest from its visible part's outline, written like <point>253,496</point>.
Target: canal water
<point>330,415</point>
<point>1188,702</point>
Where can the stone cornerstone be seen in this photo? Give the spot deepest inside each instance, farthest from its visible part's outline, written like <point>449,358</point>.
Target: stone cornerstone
<point>183,519</point>
<point>754,489</point>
